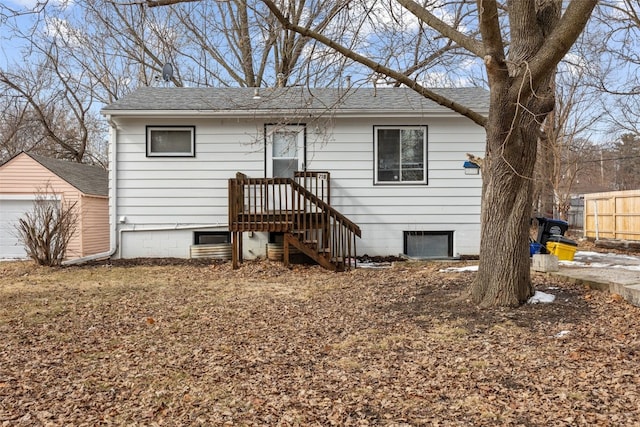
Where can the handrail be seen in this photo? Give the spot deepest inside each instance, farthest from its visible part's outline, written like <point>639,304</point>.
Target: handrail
<point>284,205</point>
<point>315,199</point>
<point>318,182</point>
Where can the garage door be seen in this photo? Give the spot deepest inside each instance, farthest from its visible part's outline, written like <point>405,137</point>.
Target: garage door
<point>10,211</point>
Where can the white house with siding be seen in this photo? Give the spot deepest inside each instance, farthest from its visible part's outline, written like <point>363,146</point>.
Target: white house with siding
<point>395,163</point>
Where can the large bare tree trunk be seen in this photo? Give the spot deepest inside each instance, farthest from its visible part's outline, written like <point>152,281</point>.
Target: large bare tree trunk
<point>513,128</point>
<point>503,275</point>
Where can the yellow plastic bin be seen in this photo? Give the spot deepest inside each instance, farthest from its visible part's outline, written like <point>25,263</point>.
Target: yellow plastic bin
<point>563,248</point>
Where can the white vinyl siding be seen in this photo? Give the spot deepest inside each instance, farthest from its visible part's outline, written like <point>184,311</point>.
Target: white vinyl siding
<point>162,191</point>
<point>450,201</point>
<point>156,192</point>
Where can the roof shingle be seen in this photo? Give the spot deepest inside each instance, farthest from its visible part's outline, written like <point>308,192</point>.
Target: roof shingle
<point>358,100</point>
<point>89,179</point>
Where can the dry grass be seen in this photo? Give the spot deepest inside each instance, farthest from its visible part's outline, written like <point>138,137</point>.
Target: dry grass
<point>198,344</point>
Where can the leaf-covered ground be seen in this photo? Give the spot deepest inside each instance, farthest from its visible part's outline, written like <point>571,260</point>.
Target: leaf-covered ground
<point>201,344</point>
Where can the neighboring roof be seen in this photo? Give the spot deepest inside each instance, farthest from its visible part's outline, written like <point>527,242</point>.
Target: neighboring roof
<point>88,179</point>
<point>338,101</point>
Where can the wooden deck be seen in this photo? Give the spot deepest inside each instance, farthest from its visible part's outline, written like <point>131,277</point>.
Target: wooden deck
<point>303,215</point>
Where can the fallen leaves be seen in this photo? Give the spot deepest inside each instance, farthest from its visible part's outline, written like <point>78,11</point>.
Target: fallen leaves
<point>617,298</point>
<point>201,344</point>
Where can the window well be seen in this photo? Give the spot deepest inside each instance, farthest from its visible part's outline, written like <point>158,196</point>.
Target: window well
<point>428,244</point>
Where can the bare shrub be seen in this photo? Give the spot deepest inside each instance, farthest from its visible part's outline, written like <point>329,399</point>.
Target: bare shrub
<point>47,229</point>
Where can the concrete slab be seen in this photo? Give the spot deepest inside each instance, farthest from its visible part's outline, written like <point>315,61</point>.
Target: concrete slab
<point>544,263</point>
<point>626,283</point>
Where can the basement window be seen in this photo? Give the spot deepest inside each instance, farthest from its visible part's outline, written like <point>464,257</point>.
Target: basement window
<point>171,141</point>
<point>211,237</point>
<point>276,237</point>
<point>428,244</point>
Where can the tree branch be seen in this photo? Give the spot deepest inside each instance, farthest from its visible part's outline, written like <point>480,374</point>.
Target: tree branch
<point>555,47</point>
<point>376,67</point>
<point>472,45</point>
<point>493,53</point>
<point>156,3</point>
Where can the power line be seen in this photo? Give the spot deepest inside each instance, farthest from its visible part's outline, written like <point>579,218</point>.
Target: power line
<point>609,160</point>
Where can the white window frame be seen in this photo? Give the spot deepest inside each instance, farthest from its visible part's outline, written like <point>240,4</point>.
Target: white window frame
<point>376,179</point>
<point>270,131</point>
<point>190,153</point>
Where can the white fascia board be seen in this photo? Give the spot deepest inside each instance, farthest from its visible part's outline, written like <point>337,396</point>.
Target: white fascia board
<point>113,114</point>
<point>400,114</point>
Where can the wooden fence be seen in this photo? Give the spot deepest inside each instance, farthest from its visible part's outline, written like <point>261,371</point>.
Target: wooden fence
<point>612,215</point>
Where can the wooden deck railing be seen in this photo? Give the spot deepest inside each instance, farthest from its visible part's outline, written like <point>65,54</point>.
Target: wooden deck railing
<point>306,218</point>
<point>319,183</point>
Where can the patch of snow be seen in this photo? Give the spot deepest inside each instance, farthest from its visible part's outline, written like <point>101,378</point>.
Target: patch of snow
<point>541,297</point>
<point>585,264</point>
<point>459,269</point>
<point>374,265</point>
<point>561,334</point>
<point>586,254</point>
<point>603,260</point>
<point>628,267</point>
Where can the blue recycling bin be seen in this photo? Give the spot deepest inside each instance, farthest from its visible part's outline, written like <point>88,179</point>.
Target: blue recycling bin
<point>534,248</point>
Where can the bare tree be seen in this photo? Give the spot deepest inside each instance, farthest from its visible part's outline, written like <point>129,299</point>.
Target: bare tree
<point>55,93</point>
<point>563,146</point>
<point>96,51</point>
<point>48,228</point>
<point>230,43</point>
<point>19,128</point>
<point>63,115</point>
<point>248,46</point>
<point>617,47</point>
<point>611,49</point>
<point>625,154</point>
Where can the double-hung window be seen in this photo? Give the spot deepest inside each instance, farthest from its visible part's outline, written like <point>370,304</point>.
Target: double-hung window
<point>400,154</point>
<point>171,141</point>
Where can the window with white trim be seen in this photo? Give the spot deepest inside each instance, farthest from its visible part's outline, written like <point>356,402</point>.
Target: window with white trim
<point>400,154</point>
<point>171,141</point>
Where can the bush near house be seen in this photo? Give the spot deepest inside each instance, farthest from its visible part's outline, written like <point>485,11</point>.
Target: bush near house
<point>47,230</point>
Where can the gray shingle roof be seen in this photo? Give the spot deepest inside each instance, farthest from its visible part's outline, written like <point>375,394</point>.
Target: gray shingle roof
<point>353,101</point>
<point>89,179</point>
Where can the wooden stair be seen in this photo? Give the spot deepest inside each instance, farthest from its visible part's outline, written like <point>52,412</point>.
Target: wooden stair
<point>304,216</point>
<point>320,257</point>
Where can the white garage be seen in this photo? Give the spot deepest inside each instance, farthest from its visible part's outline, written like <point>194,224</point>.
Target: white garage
<point>11,210</point>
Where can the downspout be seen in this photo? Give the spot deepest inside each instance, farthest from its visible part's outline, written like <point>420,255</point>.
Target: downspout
<point>113,246</point>
<point>115,235</point>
